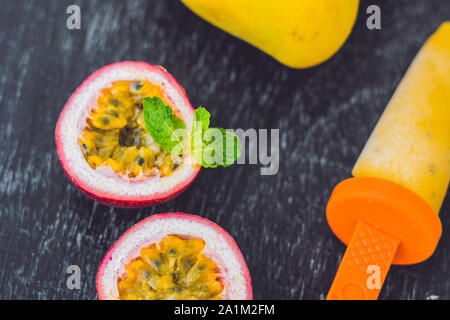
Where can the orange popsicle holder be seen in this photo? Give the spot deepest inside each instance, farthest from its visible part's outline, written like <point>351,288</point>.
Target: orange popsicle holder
<point>382,223</point>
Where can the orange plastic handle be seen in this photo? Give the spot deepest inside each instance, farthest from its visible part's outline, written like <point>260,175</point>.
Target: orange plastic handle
<point>365,264</point>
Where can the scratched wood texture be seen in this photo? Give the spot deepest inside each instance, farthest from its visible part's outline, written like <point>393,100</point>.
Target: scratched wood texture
<point>324,114</point>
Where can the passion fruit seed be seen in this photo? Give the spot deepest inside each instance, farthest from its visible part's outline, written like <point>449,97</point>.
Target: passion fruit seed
<point>173,269</point>
<point>115,133</point>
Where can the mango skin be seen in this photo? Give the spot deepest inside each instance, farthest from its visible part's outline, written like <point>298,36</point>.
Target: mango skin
<point>297,33</point>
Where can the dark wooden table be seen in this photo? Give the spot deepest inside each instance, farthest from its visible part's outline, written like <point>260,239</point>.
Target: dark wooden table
<point>324,114</point>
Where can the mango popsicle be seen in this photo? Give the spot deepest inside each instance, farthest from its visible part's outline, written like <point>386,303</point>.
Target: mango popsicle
<point>411,142</point>
<point>388,213</point>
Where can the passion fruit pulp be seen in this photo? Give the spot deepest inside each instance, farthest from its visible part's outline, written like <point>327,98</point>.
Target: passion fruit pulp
<point>173,269</point>
<point>174,256</point>
<point>115,135</point>
<point>104,147</point>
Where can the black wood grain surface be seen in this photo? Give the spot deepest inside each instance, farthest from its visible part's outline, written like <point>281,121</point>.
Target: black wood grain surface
<point>325,114</point>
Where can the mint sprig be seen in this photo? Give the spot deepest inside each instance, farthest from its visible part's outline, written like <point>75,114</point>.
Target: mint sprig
<point>211,147</point>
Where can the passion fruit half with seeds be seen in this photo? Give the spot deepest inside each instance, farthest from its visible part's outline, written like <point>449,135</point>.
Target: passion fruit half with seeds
<point>174,256</point>
<point>104,146</point>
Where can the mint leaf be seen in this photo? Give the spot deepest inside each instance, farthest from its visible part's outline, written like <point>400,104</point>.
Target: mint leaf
<point>213,147</point>
<point>232,147</point>
<point>201,118</point>
<point>220,148</point>
<point>162,124</point>
<point>199,127</point>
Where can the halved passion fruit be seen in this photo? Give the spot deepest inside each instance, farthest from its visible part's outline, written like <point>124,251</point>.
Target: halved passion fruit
<point>104,146</point>
<point>174,256</point>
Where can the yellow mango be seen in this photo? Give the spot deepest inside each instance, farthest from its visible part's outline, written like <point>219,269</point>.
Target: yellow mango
<point>298,33</point>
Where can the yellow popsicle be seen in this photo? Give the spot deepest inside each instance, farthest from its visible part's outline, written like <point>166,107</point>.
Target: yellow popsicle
<point>411,143</point>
